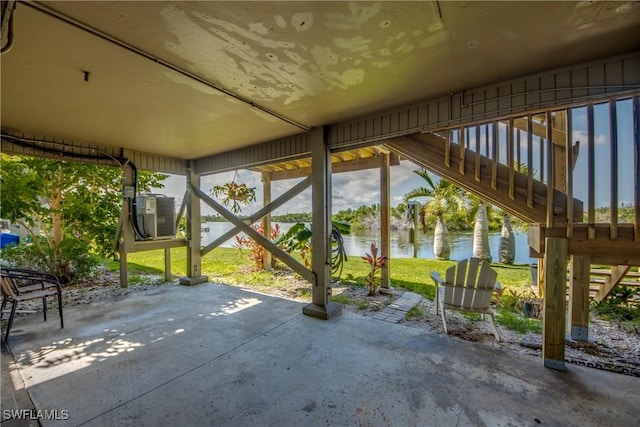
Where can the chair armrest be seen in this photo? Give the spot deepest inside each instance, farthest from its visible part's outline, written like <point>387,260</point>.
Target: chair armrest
<point>437,279</point>
<point>27,280</point>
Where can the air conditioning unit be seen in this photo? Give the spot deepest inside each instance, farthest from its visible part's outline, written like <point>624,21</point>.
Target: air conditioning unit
<point>155,216</point>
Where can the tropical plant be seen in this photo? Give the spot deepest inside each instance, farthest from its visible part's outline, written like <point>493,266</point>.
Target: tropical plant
<point>58,201</point>
<point>234,193</point>
<point>507,251</point>
<point>256,251</point>
<point>375,264</point>
<point>441,198</point>
<point>298,238</point>
<point>481,248</point>
<point>70,260</point>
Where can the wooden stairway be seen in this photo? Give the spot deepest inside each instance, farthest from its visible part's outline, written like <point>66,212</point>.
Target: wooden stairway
<point>524,165</point>
<point>513,191</point>
<point>603,280</point>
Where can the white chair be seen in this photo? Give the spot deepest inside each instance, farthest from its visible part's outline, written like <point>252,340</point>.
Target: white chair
<point>467,286</point>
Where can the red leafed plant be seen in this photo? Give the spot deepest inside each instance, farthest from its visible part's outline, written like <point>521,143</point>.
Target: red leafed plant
<point>256,251</point>
<point>375,264</point>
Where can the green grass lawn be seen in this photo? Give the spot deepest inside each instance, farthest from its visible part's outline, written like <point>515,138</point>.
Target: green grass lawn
<point>227,266</point>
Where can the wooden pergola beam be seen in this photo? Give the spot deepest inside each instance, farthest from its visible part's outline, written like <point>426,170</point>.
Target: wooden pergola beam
<point>337,167</point>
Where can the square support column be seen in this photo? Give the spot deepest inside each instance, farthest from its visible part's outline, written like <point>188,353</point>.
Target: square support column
<point>321,305</point>
<point>194,257</point>
<point>128,238</point>
<point>580,272</point>
<point>555,306</point>
<point>385,223</point>
<point>266,220</point>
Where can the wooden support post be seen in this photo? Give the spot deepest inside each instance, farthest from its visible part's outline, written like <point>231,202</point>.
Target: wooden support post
<point>579,276</point>
<point>385,215</point>
<point>321,305</point>
<point>194,228</point>
<point>510,163</point>
<point>128,238</point>
<point>555,272</point>
<point>447,150</point>
<point>551,169</point>
<point>636,164</point>
<point>124,273</point>
<point>541,277</point>
<point>569,157</point>
<point>518,145</point>
<point>591,173</point>
<point>495,155</point>
<point>478,155</point>
<point>530,161</point>
<point>167,264</point>
<point>613,137</point>
<point>463,141</point>
<point>266,220</point>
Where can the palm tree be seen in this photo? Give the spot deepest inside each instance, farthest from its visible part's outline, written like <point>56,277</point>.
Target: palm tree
<point>441,198</point>
<point>507,251</point>
<point>481,247</point>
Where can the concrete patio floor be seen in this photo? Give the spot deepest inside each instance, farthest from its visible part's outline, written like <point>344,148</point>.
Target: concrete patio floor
<point>221,356</point>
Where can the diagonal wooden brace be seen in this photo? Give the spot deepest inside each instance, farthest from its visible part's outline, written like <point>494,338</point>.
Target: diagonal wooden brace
<point>266,243</point>
<point>284,198</point>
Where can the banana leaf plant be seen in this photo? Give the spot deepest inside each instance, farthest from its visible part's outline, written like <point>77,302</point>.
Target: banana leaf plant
<point>299,238</point>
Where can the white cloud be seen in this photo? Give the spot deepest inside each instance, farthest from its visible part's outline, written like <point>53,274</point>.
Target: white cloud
<point>349,189</point>
<point>582,136</point>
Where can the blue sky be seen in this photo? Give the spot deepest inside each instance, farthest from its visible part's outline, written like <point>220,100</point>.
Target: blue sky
<point>354,189</point>
<point>350,190</point>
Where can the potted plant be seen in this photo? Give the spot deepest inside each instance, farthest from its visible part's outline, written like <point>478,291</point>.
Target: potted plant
<point>236,194</point>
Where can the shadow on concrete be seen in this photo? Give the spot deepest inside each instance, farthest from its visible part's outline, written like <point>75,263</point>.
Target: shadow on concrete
<point>219,355</point>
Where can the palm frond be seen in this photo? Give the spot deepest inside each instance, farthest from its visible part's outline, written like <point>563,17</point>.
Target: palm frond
<point>422,173</point>
<point>418,192</point>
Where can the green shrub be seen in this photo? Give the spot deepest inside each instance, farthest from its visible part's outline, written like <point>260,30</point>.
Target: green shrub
<point>617,309</point>
<point>362,305</point>
<point>343,299</point>
<point>71,261</point>
<point>518,323</point>
<point>413,312</point>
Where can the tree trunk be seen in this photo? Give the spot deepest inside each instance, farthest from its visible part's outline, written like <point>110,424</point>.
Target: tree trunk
<point>441,248</point>
<point>507,251</point>
<point>481,247</point>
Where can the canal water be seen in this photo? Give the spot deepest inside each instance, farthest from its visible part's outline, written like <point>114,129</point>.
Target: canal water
<point>359,242</point>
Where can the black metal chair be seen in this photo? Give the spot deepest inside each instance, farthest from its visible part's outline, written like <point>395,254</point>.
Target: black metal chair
<point>20,285</point>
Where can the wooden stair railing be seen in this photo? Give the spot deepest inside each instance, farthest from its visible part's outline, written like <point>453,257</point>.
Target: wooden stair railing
<point>495,182</point>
